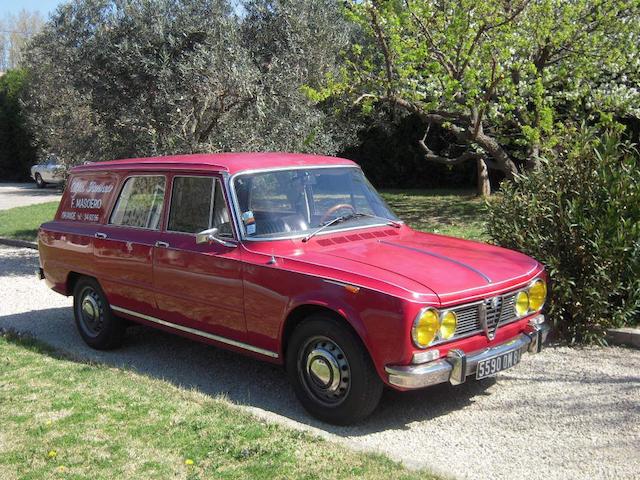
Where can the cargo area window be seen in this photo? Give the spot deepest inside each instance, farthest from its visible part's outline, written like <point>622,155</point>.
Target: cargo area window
<point>140,202</point>
<point>197,204</point>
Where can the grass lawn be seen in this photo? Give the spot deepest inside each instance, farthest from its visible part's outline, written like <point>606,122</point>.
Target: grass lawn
<point>22,222</point>
<point>450,212</point>
<point>458,213</point>
<point>66,419</point>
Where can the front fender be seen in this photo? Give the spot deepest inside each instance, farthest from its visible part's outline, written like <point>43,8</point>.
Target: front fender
<point>378,319</point>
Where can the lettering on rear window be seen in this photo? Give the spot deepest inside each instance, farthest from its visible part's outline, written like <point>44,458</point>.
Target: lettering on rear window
<point>87,197</point>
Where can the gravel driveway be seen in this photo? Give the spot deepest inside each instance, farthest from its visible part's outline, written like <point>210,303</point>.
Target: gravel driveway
<point>563,414</point>
<point>21,194</point>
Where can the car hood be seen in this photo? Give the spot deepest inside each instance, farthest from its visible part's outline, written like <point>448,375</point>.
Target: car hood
<point>452,268</point>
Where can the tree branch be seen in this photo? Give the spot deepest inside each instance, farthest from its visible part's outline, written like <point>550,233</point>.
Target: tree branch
<point>439,56</point>
<point>375,23</point>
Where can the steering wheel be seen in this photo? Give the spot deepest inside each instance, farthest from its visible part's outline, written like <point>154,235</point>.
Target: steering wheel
<point>334,209</point>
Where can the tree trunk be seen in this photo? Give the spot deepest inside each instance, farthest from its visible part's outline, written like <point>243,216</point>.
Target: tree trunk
<point>484,185</point>
<point>501,158</point>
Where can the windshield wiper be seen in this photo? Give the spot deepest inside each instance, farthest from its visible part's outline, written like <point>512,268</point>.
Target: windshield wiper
<point>345,218</point>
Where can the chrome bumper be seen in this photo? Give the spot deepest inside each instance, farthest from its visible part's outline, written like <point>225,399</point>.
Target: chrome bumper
<point>458,366</point>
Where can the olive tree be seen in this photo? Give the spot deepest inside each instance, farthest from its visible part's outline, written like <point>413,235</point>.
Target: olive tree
<point>495,75</point>
<point>295,44</point>
<point>118,78</point>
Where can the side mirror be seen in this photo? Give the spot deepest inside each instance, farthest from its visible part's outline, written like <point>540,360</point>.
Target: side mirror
<point>211,236</point>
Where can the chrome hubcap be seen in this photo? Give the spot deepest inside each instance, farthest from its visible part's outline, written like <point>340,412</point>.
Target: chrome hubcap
<point>325,370</point>
<point>91,312</point>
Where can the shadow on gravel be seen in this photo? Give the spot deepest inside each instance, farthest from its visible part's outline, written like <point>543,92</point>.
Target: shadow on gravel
<point>240,379</point>
<point>18,262</point>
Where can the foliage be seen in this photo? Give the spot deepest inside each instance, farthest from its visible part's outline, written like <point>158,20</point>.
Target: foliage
<point>16,151</point>
<point>580,215</point>
<point>390,159</point>
<point>295,44</point>
<point>121,78</point>
<point>69,419</point>
<point>498,76</point>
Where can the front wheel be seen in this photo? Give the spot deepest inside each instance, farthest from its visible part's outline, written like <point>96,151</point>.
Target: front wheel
<point>331,371</point>
<point>98,326</point>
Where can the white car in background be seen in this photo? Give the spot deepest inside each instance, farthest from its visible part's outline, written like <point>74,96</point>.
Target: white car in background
<point>49,171</point>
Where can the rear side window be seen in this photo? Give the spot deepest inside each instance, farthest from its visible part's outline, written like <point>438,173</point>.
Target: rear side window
<point>140,202</point>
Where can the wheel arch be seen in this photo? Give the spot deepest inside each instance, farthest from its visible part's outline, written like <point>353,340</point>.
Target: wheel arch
<point>299,313</point>
<point>72,279</point>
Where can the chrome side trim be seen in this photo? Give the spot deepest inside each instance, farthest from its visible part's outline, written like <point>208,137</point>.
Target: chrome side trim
<point>442,257</point>
<point>194,331</point>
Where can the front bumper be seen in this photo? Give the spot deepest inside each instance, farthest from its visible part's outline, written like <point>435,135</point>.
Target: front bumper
<point>458,365</point>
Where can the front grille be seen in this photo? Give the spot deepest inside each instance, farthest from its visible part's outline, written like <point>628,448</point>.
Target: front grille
<point>469,315</point>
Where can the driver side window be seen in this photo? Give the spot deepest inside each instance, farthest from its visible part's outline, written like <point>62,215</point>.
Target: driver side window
<point>197,204</point>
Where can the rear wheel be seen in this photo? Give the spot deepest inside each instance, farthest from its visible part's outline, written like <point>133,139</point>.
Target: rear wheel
<point>331,371</point>
<point>39,182</point>
<point>98,326</point>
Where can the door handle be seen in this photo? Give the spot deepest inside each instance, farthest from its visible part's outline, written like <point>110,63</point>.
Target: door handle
<point>162,244</point>
<point>100,235</point>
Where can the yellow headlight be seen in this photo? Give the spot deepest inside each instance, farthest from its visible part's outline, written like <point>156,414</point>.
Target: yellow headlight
<point>448,325</point>
<point>537,295</point>
<point>425,327</point>
<point>522,303</point>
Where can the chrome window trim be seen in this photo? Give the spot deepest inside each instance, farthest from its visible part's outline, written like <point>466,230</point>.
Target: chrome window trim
<point>236,203</point>
<point>117,198</point>
<point>195,331</point>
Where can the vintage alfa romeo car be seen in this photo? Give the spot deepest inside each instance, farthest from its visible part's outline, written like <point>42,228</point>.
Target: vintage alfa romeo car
<point>294,259</point>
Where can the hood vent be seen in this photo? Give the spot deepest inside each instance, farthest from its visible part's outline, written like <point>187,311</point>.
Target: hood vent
<point>325,242</point>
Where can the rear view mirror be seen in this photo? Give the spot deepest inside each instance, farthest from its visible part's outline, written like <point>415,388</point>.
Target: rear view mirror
<point>211,236</point>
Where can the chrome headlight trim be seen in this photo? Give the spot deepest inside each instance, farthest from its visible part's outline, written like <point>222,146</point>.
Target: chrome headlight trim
<point>527,290</point>
<point>415,325</point>
<point>546,290</point>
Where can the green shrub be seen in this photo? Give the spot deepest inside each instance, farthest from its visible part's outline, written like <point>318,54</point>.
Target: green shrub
<point>579,214</point>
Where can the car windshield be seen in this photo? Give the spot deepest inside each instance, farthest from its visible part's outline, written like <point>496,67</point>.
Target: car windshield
<point>288,203</point>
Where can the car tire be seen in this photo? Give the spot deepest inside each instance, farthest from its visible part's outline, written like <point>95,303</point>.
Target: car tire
<point>39,182</point>
<point>98,326</point>
<point>331,371</point>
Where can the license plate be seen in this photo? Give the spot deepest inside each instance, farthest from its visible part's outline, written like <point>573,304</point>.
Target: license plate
<point>493,365</point>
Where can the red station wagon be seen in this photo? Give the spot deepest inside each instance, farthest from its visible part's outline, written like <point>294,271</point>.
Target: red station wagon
<point>294,259</point>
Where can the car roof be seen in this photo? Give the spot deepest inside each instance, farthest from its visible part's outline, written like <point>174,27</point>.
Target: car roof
<point>219,162</point>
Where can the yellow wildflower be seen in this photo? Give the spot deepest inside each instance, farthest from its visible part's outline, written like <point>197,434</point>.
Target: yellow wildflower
<point>52,454</point>
<point>188,461</point>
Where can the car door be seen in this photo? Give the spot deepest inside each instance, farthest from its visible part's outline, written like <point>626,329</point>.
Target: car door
<point>48,170</point>
<point>123,247</point>
<point>199,285</point>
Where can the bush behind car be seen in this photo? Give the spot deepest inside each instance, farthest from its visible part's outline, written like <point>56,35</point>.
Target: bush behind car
<point>579,214</point>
